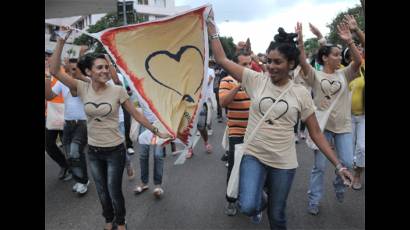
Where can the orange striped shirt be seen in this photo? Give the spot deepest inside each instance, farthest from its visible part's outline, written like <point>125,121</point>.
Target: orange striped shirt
<point>238,109</point>
<point>59,98</point>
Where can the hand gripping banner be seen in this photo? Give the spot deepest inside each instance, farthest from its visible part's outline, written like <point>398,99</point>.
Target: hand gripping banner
<point>167,61</point>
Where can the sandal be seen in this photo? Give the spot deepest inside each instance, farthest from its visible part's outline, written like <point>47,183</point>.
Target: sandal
<point>158,192</point>
<point>141,188</point>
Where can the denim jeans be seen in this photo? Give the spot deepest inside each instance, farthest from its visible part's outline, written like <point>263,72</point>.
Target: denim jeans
<point>158,162</point>
<point>51,147</point>
<point>253,175</point>
<point>344,146</point>
<point>122,130</point>
<point>74,142</point>
<point>231,159</point>
<point>107,167</point>
<point>358,130</point>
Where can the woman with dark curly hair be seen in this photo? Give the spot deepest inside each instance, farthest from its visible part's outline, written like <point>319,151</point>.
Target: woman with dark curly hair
<point>270,157</point>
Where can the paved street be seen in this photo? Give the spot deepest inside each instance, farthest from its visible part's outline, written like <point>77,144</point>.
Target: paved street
<point>194,197</point>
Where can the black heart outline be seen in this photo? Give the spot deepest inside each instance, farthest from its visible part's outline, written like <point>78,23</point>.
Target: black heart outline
<point>176,57</point>
<point>98,105</point>
<point>273,101</point>
<point>331,83</point>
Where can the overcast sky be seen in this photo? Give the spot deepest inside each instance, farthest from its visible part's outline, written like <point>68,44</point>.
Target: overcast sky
<point>260,19</point>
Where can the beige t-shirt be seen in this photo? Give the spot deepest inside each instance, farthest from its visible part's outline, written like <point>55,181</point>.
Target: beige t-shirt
<point>101,109</point>
<point>274,143</point>
<point>325,89</point>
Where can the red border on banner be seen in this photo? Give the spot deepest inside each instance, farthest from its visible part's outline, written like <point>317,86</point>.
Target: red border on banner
<point>108,38</point>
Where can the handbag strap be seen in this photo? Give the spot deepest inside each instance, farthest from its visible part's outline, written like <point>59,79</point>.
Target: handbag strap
<point>267,113</point>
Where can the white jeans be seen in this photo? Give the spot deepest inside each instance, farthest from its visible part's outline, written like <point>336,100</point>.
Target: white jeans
<point>358,131</point>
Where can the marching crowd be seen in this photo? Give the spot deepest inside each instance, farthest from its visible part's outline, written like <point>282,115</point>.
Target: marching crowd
<point>271,102</point>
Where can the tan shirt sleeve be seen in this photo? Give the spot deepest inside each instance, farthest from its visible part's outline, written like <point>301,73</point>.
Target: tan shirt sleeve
<point>81,87</point>
<point>123,94</point>
<point>310,77</point>
<point>250,82</point>
<point>307,105</point>
<point>349,73</point>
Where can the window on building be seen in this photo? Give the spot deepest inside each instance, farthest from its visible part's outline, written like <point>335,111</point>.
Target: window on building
<point>143,2</point>
<point>142,17</point>
<point>160,3</point>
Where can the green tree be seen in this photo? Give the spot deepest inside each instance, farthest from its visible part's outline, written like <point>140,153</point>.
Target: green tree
<point>357,12</point>
<point>108,21</point>
<point>228,46</point>
<point>311,45</point>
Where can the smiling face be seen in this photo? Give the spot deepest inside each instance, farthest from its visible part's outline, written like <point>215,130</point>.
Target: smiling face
<point>99,71</point>
<point>278,66</point>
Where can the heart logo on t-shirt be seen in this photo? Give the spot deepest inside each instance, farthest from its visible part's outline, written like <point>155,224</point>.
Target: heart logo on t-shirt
<point>101,108</point>
<point>280,108</point>
<point>330,88</point>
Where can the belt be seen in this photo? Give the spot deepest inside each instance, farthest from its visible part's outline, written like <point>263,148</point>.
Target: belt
<point>106,149</point>
<point>75,121</point>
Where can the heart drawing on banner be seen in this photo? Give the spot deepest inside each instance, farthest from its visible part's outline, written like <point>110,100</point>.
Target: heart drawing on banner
<point>280,108</point>
<point>104,109</point>
<point>184,93</point>
<point>330,88</point>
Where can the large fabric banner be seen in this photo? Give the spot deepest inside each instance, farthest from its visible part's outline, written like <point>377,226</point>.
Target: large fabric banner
<point>167,61</point>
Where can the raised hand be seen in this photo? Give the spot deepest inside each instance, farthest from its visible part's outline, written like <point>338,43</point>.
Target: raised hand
<point>298,30</point>
<point>344,32</point>
<point>64,33</point>
<point>315,31</point>
<point>351,21</point>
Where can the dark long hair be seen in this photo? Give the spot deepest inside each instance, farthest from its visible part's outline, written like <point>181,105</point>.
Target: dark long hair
<point>286,45</point>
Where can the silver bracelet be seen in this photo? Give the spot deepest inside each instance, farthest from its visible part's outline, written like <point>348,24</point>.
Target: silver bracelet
<point>339,167</point>
<point>215,36</point>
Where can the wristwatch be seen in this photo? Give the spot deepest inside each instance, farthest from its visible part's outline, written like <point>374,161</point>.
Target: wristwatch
<point>155,130</point>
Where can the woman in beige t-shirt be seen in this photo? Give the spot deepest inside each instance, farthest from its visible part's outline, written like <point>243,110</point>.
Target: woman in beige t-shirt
<point>328,85</point>
<point>106,152</point>
<point>271,156</point>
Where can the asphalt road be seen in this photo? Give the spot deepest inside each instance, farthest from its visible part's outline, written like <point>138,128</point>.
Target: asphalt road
<point>194,197</point>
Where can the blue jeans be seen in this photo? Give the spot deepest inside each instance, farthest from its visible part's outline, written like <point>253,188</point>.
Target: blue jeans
<point>358,130</point>
<point>253,177</point>
<point>344,146</point>
<point>107,167</point>
<point>158,162</point>
<point>74,142</point>
<point>127,156</point>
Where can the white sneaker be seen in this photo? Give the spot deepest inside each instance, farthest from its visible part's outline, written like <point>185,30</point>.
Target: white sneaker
<point>296,139</point>
<point>302,135</point>
<point>130,151</point>
<point>82,188</point>
<point>75,187</point>
<point>227,164</point>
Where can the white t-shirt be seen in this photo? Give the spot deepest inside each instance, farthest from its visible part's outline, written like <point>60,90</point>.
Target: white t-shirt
<point>73,106</point>
<point>274,143</point>
<point>325,89</point>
